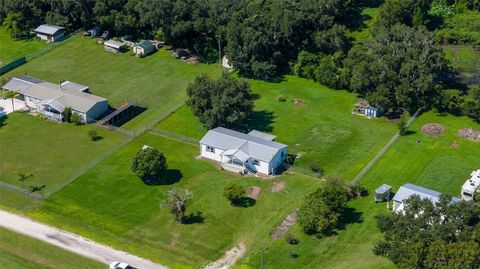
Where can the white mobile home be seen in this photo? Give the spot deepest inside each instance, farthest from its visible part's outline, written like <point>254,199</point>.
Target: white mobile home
<point>51,99</point>
<point>471,186</point>
<point>50,33</point>
<point>408,190</point>
<point>247,153</point>
<point>114,46</point>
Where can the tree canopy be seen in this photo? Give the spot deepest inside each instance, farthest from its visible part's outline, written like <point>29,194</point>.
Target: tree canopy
<point>442,235</point>
<point>219,102</point>
<point>148,164</point>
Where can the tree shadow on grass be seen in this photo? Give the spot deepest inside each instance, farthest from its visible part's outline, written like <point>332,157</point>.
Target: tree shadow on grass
<point>257,120</point>
<point>168,177</point>
<point>193,218</point>
<point>244,202</point>
<point>350,216</point>
<point>3,121</point>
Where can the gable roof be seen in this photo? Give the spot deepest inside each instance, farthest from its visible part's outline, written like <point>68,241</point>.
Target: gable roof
<point>407,190</point>
<point>48,92</point>
<point>255,147</point>
<point>113,44</point>
<point>68,85</point>
<point>48,29</point>
<point>262,135</point>
<point>145,44</point>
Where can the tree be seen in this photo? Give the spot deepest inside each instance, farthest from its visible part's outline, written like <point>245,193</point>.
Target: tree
<point>67,114</point>
<point>149,163</point>
<point>21,177</point>
<point>321,210</point>
<point>13,24</point>
<point>233,192</point>
<point>11,95</point>
<point>428,235</point>
<point>176,203</point>
<point>402,124</point>
<point>401,67</point>
<point>222,102</point>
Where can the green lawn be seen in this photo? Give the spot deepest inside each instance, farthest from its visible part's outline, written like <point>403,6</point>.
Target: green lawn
<point>10,49</point>
<point>157,82</point>
<point>52,152</point>
<point>23,252</point>
<point>111,205</point>
<point>323,129</point>
<point>368,18</point>
<point>431,163</point>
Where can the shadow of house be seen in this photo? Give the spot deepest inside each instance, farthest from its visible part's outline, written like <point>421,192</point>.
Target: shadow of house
<point>3,121</point>
<point>168,177</point>
<point>257,120</point>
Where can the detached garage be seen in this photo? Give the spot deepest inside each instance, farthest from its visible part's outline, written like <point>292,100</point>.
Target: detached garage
<point>50,33</point>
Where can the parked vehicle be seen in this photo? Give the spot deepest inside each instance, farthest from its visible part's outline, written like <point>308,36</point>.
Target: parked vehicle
<point>119,265</point>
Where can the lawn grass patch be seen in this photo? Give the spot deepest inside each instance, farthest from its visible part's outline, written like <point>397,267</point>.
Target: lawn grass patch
<point>157,82</point>
<point>51,151</point>
<point>11,49</point>
<point>22,252</point>
<point>126,213</point>
<point>322,129</point>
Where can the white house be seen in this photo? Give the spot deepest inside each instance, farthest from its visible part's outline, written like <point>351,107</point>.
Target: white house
<point>52,99</point>
<point>408,190</point>
<point>49,32</point>
<point>471,186</point>
<point>254,152</point>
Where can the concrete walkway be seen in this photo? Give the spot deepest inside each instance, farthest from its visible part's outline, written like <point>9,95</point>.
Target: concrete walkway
<point>72,242</point>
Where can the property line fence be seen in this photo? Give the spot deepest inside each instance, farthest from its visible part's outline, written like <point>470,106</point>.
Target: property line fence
<point>30,56</point>
<point>382,152</point>
<point>175,136</point>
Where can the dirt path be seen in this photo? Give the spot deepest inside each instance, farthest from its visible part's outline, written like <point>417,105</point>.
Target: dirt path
<point>72,242</point>
<point>229,259</point>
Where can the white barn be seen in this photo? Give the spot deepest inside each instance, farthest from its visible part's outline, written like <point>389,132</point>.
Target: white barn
<point>407,190</point>
<point>255,152</point>
<point>49,32</point>
<point>51,99</point>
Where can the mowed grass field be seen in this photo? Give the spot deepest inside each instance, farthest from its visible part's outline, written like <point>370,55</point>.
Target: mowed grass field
<point>322,129</point>
<point>22,252</point>
<point>430,162</point>
<point>111,205</point>
<point>51,151</point>
<point>11,49</point>
<point>157,82</point>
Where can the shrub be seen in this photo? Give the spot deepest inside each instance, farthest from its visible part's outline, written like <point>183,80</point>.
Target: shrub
<point>356,190</point>
<point>76,119</point>
<point>314,166</point>
<point>67,114</point>
<point>291,239</point>
<point>148,164</point>
<point>402,125</point>
<point>281,98</point>
<point>93,135</point>
<point>233,192</point>
<point>293,255</point>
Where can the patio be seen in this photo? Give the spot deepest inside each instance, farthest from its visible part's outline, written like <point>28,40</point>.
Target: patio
<point>6,106</point>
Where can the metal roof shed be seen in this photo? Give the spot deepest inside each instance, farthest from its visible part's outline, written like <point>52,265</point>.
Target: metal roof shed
<point>382,192</point>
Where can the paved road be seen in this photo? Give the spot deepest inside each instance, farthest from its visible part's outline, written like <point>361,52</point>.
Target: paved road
<point>72,242</point>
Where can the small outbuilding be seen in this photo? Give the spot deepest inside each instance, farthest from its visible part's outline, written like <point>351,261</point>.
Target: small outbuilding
<point>364,108</point>
<point>50,33</point>
<point>471,186</point>
<point>144,47</point>
<point>114,46</point>
<point>382,193</point>
<point>226,63</point>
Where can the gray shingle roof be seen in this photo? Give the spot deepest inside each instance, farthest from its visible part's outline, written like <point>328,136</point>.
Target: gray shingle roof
<point>408,190</point>
<point>255,147</point>
<point>48,29</point>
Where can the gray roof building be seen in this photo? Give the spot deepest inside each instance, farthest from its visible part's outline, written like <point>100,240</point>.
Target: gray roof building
<point>407,190</point>
<point>242,145</point>
<point>48,29</point>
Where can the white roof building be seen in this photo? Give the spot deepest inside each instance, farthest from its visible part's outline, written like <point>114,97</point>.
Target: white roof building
<point>407,190</point>
<point>50,32</point>
<point>255,152</point>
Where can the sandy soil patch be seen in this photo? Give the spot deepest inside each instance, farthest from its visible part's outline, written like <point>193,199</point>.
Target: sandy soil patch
<point>454,144</point>
<point>470,134</point>
<point>254,192</point>
<point>288,222</point>
<point>277,186</point>
<point>433,129</point>
<point>298,102</point>
<point>229,259</point>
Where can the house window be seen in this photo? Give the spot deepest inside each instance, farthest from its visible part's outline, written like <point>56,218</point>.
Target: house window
<point>210,149</point>
<point>256,162</point>
<point>467,194</point>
